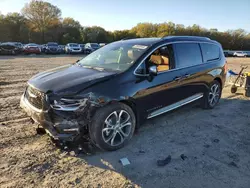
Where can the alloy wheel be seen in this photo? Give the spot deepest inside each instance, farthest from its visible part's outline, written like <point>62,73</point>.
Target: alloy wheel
<point>117,127</point>
<point>214,95</point>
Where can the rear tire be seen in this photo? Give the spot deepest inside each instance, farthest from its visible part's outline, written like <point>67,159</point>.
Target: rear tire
<point>112,126</point>
<point>212,96</point>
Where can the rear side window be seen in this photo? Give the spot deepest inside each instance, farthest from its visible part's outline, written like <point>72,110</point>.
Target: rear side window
<point>187,54</point>
<point>210,52</point>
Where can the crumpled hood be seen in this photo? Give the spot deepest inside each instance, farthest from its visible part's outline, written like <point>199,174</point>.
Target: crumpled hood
<point>68,79</point>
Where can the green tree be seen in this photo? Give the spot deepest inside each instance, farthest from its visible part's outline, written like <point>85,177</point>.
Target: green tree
<point>71,31</point>
<point>13,28</point>
<point>41,16</point>
<point>145,30</point>
<point>165,29</point>
<point>122,34</point>
<point>95,34</point>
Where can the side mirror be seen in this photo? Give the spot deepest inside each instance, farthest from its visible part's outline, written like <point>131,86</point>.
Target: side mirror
<point>153,70</point>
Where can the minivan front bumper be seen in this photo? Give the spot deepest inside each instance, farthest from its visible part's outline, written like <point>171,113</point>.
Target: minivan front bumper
<point>43,117</point>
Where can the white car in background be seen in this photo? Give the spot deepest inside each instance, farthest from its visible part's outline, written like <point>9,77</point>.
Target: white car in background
<point>73,48</point>
<point>240,54</point>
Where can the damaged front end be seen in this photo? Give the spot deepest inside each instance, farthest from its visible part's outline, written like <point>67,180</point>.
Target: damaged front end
<point>64,119</point>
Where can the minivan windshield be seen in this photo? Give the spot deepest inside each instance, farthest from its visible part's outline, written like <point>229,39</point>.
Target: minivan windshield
<point>117,56</point>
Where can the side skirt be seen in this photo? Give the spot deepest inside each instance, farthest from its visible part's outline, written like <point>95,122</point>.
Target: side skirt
<point>175,105</point>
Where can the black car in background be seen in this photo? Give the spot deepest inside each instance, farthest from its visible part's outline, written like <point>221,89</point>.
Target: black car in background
<point>110,92</point>
<point>52,48</point>
<point>10,48</point>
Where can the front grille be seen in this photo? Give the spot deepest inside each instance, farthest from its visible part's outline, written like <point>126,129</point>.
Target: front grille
<point>35,97</point>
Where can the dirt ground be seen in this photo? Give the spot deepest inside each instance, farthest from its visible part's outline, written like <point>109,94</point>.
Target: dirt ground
<point>216,142</point>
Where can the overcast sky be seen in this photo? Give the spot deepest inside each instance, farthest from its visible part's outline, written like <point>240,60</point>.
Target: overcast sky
<point>124,14</point>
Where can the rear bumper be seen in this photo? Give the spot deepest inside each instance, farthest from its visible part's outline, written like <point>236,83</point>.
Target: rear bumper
<point>43,118</point>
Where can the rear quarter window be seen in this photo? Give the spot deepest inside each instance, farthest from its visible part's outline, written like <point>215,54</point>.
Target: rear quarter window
<point>210,52</point>
<point>187,54</point>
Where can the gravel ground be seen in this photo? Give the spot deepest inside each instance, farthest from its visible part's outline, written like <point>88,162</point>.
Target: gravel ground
<point>215,143</point>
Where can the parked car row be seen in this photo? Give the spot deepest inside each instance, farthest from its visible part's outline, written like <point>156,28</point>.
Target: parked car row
<point>13,48</point>
<point>228,53</point>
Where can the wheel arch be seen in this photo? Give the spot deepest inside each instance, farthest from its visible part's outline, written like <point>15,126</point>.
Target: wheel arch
<point>132,105</point>
<point>219,80</point>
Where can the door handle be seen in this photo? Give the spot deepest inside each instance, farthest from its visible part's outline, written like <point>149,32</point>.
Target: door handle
<point>177,78</point>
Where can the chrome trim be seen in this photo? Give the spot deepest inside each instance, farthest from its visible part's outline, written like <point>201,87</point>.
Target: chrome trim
<point>71,130</point>
<point>175,105</point>
<point>26,102</point>
<point>31,94</point>
<point>69,107</point>
<point>168,44</point>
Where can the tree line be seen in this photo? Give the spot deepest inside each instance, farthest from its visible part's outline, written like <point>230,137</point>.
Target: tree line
<point>41,22</point>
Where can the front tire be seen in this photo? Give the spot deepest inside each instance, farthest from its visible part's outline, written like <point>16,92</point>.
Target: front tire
<point>112,126</point>
<point>212,96</point>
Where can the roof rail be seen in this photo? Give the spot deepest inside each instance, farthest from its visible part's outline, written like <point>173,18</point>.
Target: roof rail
<point>189,37</point>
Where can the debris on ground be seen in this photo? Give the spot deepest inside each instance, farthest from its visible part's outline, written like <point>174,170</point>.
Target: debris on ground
<point>72,153</point>
<point>183,157</point>
<point>216,140</point>
<point>206,145</point>
<point>164,162</point>
<point>124,161</point>
<point>233,164</point>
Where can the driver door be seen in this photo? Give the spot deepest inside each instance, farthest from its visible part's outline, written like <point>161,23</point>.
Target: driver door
<point>154,93</point>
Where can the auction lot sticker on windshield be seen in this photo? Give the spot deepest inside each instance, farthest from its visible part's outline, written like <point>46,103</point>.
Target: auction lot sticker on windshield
<point>142,47</point>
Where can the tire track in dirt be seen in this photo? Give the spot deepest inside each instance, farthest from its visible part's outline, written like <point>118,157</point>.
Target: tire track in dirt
<point>19,86</point>
<point>10,82</point>
<point>12,115</point>
<point>10,93</point>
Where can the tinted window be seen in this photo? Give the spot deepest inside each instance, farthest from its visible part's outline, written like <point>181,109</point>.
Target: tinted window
<point>73,45</point>
<point>93,45</point>
<point>210,52</point>
<point>188,54</point>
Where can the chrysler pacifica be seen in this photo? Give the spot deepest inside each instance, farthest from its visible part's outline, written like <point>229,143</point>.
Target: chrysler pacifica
<point>109,93</point>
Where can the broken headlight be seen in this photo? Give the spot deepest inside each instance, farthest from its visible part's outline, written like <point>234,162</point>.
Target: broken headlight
<point>68,104</point>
